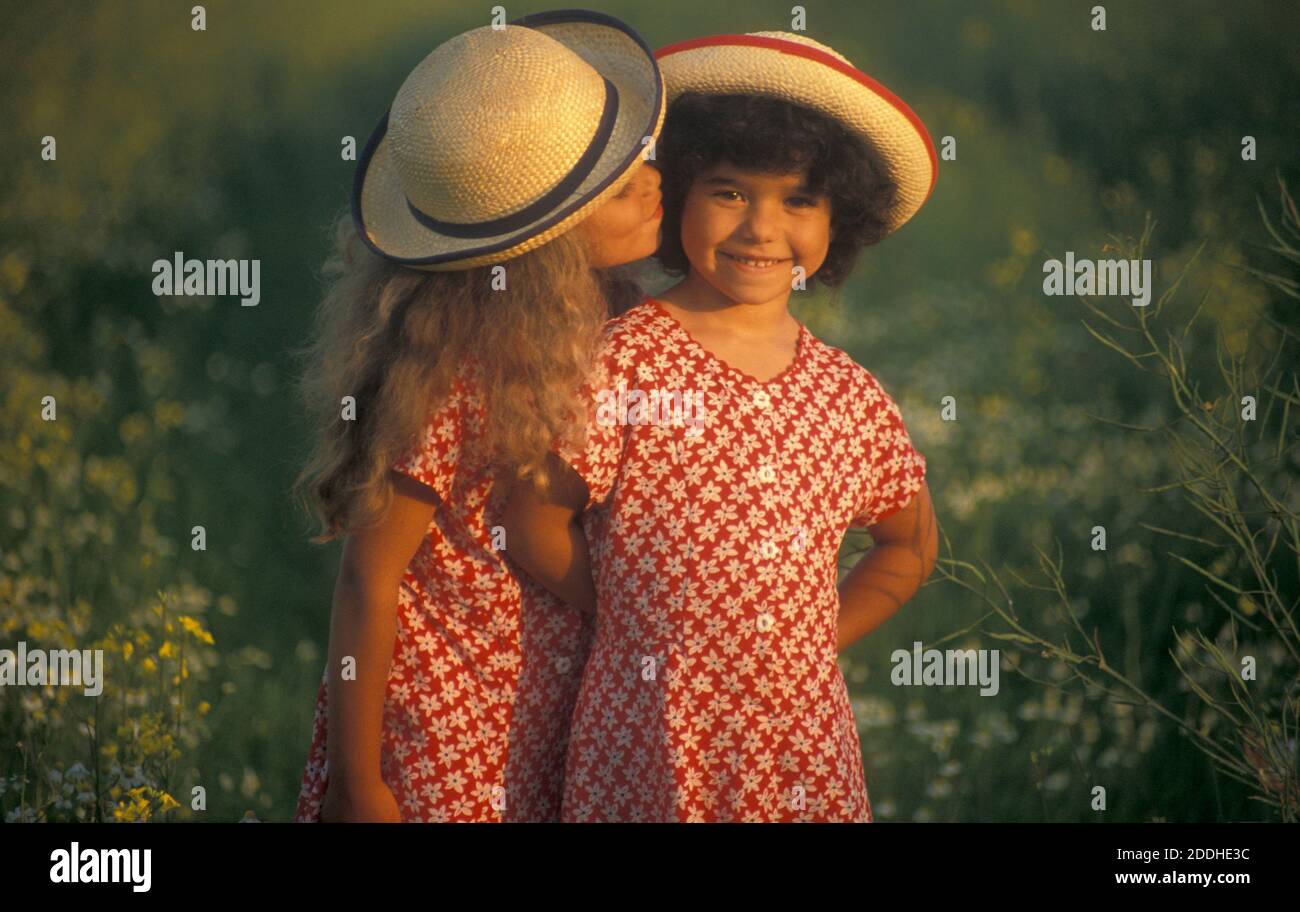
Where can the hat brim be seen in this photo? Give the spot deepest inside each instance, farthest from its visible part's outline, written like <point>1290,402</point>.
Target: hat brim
<point>379,205</point>
<point>760,65</point>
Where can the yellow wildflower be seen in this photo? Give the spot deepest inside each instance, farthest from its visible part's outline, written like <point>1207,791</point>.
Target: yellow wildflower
<point>196,629</point>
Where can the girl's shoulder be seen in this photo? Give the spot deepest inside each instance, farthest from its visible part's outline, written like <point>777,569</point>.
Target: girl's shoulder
<point>825,357</point>
<point>853,380</point>
<point>635,335</point>
<point>467,384</point>
<point>638,322</point>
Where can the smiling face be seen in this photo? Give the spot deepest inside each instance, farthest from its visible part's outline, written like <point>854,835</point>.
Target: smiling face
<point>626,227</point>
<point>744,232</point>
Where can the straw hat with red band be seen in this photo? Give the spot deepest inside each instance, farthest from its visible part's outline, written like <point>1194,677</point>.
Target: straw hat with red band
<point>502,139</point>
<point>800,70</point>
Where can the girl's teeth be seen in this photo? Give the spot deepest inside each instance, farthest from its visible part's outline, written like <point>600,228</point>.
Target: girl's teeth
<point>753,262</point>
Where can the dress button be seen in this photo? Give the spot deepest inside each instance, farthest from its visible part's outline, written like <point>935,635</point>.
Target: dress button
<point>762,399</point>
<point>766,474</point>
<point>766,621</point>
<point>769,549</point>
<point>563,664</point>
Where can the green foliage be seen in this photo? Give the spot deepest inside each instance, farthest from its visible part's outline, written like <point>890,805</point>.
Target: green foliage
<point>81,555</point>
<point>1235,695</point>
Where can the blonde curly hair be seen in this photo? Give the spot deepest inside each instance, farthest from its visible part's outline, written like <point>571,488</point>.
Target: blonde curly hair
<point>396,338</point>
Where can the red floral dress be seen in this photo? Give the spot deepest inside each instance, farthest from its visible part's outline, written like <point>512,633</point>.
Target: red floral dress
<point>712,691</point>
<point>486,663</point>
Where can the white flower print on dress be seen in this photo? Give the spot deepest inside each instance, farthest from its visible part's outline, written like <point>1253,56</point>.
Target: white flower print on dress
<point>486,663</point>
<point>712,691</point>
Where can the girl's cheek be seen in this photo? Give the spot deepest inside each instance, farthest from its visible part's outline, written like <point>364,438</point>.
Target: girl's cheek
<point>693,241</point>
<point>816,239</point>
<point>702,225</point>
<point>630,225</point>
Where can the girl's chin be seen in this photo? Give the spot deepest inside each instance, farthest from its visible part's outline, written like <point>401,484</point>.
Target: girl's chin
<point>633,255</point>
<point>748,292</point>
<point>647,248</point>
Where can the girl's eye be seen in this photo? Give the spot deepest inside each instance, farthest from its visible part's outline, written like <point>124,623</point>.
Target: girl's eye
<point>803,201</point>
<point>727,194</point>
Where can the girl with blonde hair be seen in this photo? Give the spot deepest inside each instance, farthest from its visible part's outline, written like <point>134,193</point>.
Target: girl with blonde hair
<point>469,285</point>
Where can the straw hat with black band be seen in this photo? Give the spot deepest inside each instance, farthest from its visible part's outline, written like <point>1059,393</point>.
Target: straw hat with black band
<point>803,71</point>
<point>502,139</point>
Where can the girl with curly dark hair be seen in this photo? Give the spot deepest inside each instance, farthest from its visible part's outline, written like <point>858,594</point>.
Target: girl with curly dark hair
<point>712,691</point>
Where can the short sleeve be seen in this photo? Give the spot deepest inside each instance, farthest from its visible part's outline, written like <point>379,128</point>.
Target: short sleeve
<point>596,460</point>
<point>434,454</point>
<point>895,469</point>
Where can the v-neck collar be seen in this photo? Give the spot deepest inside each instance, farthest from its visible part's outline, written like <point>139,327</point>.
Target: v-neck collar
<point>800,349</point>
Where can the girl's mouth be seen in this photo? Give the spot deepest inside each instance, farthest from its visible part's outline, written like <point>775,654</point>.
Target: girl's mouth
<point>658,213</point>
<point>745,264</point>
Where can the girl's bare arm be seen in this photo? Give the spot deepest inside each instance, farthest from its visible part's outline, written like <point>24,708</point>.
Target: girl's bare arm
<point>363,626</point>
<point>906,548</point>
<point>544,535</point>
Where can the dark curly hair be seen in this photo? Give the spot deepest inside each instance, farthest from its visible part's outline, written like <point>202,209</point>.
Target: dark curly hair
<point>772,136</point>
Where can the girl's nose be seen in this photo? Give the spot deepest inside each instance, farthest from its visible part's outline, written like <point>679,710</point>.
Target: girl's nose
<point>759,224</point>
